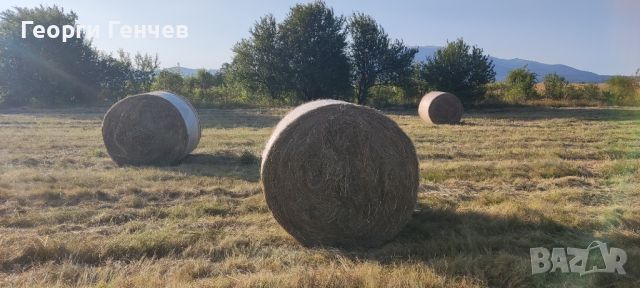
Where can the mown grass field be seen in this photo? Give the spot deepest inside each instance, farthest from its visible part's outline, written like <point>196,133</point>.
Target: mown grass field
<point>502,182</point>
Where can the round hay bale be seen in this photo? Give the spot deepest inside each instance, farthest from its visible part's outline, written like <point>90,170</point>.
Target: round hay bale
<point>440,108</point>
<point>340,174</point>
<point>155,128</point>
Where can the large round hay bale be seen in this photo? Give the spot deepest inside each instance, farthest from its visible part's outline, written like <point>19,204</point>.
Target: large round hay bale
<point>155,128</point>
<point>340,174</point>
<point>440,108</point>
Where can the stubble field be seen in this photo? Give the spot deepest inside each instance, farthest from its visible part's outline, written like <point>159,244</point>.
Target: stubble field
<point>491,188</point>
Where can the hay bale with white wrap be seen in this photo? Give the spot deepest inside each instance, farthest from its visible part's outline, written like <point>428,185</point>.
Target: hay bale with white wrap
<point>155,128</point>
<point>340,174</point>
<point>440,108</point>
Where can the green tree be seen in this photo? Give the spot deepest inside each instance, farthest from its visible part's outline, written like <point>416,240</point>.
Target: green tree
<point>116,77</point>
<point>49,71</point>
<point>145,67</point>
<point>315,41</point>
<point>520,84</point>
<point>169,81</point>
<point>375,59</point>
<point>219,76</point>
<point>259,64</point>
<point>125,75</point>
<point>189,85</point>
<point>45,70</point>
<point>204,79</point>
<point>415,85</point>
<point>460,69</point>
<point>623,90</point>
<point>555,86</point>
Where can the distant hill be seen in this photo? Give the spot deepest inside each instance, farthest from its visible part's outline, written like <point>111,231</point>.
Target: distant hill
<point>503,66</point>
<point>187,72</point>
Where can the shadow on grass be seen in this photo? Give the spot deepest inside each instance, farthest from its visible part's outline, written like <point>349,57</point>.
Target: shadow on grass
<point>237,166</point>
<point>542,113</point>
<point>494,249</point>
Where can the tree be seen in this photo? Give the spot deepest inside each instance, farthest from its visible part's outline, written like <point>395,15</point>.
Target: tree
<point>521,84</point>
<point>45,70</point>
<point>189,85</point>
<point>259,63</point>
<point>167,80</point>
<point>131,75</point>
<point>116,77</point>
<point>204,79</point>
<point>375,59</point>
<point>48,71</point>
<point>218,76</point>
<point>555,86</point>
<point>144,70</point>
<point>460,69</point>
<point>315,42</point>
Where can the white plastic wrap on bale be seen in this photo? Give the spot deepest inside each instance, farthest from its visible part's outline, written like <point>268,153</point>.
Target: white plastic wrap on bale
<point>189,115</point>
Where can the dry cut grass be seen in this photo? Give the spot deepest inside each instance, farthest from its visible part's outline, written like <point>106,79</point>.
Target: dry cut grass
<point>491,188</point>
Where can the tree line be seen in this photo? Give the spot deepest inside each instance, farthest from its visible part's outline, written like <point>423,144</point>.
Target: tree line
<point>307,56</point>
<point>521,87</point>
<point>312,53</point>
<point>45,71</point>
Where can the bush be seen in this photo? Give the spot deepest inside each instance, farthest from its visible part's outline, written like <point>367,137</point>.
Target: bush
<point>623,90</point>
<point>591,92</point>
<point>169,81</point>
<point>520,85</point>
<point>386,95</point>
<point>520,88</point>
<point>556,87</point>
<point>495,92</point>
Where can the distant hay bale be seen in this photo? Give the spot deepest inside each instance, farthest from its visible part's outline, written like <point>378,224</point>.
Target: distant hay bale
<point>440,108</point>
<point>340,174</point>
<point>155,128</point>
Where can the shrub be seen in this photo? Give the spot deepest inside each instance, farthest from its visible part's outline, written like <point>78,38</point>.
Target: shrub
<point>520,85</point>
<point>591,92</point>
<point>556,86</point>
<point>386,95</point>
<point>623,90</point>
<point>170,81</point>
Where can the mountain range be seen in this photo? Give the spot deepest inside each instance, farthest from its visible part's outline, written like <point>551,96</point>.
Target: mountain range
<point>501,66</point>
<point>188,72</point>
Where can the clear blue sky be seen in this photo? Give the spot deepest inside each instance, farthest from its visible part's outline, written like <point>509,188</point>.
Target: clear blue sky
<point>596,35</point>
